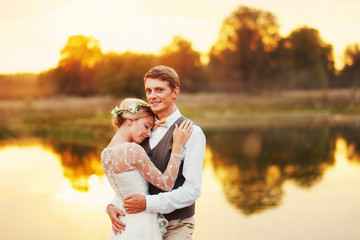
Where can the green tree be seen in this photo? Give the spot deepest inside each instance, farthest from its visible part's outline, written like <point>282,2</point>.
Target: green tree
<point>241,58</point>
<point>81,51</point>
<point>75,73</point>
<point>350,74</point>
<point>312,64</point>
<point>181,56</point>
<point>121,75</point>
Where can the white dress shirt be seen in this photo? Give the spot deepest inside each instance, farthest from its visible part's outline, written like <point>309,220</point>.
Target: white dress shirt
<point>193,155</point>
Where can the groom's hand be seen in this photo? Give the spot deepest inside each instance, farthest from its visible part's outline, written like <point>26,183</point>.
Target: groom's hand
<point>135,203</point>
<point>117,225</point>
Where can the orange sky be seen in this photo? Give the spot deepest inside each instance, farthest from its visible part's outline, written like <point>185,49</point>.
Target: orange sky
<point>34,31</point>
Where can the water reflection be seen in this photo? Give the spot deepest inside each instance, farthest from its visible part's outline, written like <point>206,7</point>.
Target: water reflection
<point>253,164</point>
<point>81,163</point>
<point>352,136</point>
<point>38,202</point>
<point>30,168</point>
<point>249,170</point>
<point>43,171</point>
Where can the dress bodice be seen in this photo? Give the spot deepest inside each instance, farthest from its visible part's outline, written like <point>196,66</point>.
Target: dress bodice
<point>127,166</point>
<point>128,170</point>
<point>132,182</point>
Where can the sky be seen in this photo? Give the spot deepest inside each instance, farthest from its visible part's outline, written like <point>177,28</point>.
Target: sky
<point>33,32</point>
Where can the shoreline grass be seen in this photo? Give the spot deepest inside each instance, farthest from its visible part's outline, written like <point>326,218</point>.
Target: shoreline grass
<point>209,110</point>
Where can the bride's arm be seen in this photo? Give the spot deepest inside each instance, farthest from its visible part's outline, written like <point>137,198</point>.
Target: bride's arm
<point>143,163</point>
<point>153,175</point>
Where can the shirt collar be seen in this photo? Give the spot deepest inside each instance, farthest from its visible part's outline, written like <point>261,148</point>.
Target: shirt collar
<point>170,120</point>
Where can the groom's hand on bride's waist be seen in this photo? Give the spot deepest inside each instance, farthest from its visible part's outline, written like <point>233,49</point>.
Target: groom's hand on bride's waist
<point>117,225</point>
<point>134,203</point>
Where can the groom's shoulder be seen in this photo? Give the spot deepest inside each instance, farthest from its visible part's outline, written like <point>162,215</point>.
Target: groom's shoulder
<point>197,129</point>
<point>182,118</point>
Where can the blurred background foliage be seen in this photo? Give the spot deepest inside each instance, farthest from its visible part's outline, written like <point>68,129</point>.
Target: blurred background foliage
<point>250,56</point>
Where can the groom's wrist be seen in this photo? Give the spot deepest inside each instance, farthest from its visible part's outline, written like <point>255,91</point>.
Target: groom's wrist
<point>151,203</point>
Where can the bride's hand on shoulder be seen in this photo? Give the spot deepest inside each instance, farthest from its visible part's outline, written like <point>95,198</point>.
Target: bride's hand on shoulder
<point>183,132</point>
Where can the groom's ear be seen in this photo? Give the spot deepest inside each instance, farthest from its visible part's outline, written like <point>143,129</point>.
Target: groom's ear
<point>175,92</point>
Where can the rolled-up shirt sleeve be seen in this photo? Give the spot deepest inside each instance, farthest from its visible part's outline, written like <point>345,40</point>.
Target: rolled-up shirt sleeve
<point>185,195</point>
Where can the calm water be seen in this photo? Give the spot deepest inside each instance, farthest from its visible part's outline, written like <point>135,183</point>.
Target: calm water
<point>261,183</point>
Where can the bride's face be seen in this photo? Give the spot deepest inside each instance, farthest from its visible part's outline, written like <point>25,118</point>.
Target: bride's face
<point>140,129</point>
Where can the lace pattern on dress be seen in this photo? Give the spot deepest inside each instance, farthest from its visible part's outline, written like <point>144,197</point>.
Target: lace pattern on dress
<point>131,156</point>
<point>108,170</point>
<point>163,223</point>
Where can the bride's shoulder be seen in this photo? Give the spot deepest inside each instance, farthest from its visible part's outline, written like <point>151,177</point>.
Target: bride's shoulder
<point>132,146</point>
<point>125,148</point>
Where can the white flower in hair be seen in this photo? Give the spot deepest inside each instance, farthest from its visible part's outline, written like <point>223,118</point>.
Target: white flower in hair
<point>133,108</point>
<point>115,111</point>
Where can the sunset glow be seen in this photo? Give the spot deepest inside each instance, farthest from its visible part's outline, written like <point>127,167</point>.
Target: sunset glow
<point>343,164</point>
<point>41,172</point>
<point>34,32</point>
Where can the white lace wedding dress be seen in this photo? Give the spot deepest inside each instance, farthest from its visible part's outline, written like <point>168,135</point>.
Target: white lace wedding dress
<point>128,170</point>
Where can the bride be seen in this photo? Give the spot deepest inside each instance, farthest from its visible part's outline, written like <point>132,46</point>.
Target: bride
<point>129,169</point>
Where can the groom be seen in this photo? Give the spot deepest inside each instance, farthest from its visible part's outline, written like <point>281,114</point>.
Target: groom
<point>162,87</point>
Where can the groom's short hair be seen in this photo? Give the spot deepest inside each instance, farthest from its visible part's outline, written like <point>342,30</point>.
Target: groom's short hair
<point>164,73</point>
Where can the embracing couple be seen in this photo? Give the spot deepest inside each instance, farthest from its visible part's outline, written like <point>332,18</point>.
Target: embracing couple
<point>154,164</point>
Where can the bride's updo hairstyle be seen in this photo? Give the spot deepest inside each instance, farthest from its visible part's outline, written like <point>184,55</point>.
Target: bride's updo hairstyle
<point>130,108</point>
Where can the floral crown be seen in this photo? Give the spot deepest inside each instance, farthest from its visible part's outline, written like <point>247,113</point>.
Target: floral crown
<point>132,108</point>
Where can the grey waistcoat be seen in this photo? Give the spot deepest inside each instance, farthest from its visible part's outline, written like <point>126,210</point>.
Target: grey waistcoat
<point>160,156</point>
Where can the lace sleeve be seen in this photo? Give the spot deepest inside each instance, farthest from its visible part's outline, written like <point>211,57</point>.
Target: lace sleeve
<point>142,162</point>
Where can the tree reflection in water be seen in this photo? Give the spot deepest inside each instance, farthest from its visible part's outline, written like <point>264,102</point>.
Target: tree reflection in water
<point>253,164</point>
<point>352,135</point>
<point>79,162</point>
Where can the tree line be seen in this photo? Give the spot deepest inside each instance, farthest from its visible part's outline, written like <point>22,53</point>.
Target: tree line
<point>249,56</point>
<point>84,70</point>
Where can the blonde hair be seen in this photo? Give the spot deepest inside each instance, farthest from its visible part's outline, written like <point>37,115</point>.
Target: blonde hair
<point>143,111</point>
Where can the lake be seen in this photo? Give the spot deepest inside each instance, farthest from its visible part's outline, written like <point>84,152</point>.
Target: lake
<point>267,182</point>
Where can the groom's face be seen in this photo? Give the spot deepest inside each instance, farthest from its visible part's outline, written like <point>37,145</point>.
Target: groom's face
<point>160,96</point>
